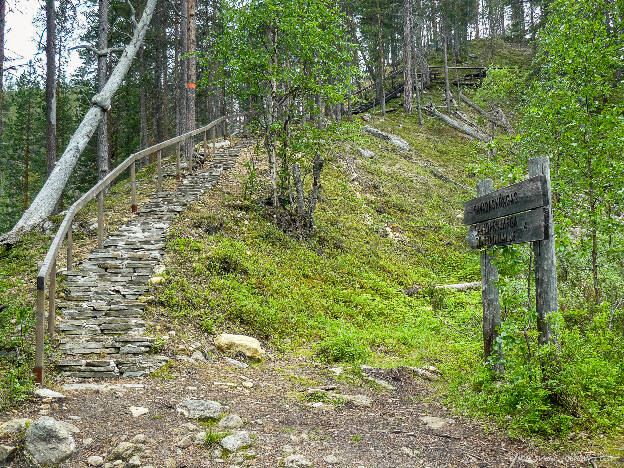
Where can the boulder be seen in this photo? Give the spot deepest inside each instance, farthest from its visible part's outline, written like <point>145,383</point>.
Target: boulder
<point>49,441</point>
<point>231,421</point>
<point>236,441</point>
<point>247,345</point>
<point>199,409</point>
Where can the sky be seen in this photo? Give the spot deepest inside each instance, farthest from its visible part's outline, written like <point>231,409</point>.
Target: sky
<point>21,35</point>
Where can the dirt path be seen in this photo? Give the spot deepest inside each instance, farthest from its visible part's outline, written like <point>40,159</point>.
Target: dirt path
<point>283,419</point>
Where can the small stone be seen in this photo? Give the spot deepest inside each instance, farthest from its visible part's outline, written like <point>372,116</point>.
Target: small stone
<point>433,422</point>
<point>119,463</point>
<point>199,409</point>
<point>185,442</point>
<point>159,270</point>
<point>138,439</point>
<point>236,441</point>
<point>137,411</point>
<point>87,442</point>
<point>337,370</point>
<point>247,345</point>
<point>407,451</point>
<point>170,463</point>
<point>331,460</point>
<point>198,356</point>
<point>217,452</point>
<point>123,451</point>
<point>357,400</point>
<point>296,461</point>
<point>365,153</point>
<point>156,280</point>
<point>189,427</point>
<point>231,421</point>
<point>236,363</point>
<point>95,460</point>
<point>47,393</point>
<point>6,452</point>
<point>200,438</point>
<point>247,384</point>
<point>366,117</point>
<point>288,449</point>
<point>134,462</point>
<point>14,427</point>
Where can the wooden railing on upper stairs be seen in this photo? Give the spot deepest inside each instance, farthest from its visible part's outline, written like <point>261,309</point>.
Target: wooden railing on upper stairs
<point>48,268</point>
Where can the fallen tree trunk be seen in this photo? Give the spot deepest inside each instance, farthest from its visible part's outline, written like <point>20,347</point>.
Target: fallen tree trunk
<point>453,287</point>
<point>47,198</point>
<point>459,126</point>
<point>483,113</point>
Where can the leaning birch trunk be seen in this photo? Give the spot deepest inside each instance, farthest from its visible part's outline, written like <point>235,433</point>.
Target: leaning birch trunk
<point>462,128</point>
<point>479,110</point>
<point>45,201</point>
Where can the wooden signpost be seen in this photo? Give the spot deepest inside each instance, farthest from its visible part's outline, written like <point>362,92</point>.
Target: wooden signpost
<point>515,214</point>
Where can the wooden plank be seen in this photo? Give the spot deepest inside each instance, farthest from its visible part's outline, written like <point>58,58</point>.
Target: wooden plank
<point>526,195</point>
<point>529,226</point>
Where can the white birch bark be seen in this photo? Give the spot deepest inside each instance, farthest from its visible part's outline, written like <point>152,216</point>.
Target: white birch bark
<point>45,201</point>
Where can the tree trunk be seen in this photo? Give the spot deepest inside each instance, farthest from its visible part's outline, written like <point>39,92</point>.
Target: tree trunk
<point>183,102</point>
<point>50,86</point>
<point>142,99</point>
<point>517,20</point>
<point>462,128</point>
<point>102,71</point>
<point>2,24</point>
<point>26,187</point>
<point>408,85</point>
<point>43,205</point>
<point>382,92</point>
<point>191,74</point>
<point>446,76</point>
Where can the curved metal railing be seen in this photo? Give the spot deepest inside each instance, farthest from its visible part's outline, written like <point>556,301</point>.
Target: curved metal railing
<point>48,268</point>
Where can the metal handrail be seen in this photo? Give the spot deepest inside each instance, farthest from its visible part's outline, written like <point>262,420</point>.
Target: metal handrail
<point>48,268</point>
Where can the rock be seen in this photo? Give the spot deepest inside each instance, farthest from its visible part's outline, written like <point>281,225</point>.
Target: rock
<point>296,461</point>
<point>366,117</point>
<point>49,442</point>
<point>288,449</point>
<point>137,411</point>
<point>6,453</point>
<point>199,409</point>
<point>47,393</point>
<point>331,460</point>
<point>185,442</point>
<point>138,439</point>
<point>123,451</point>
<point>134,462</point>
<point>407,451</point>
<point>231,421</point>
<point>14,427</point>
<point>236,363</point>
<point>95,460</point>
<point>198,356</point>
<point>156,280</point>
<point>170,463</point>
<point>247,345</point>
<point>236,441</point>
<point>159,270</point>
<point>365,153</point>
<point>200,438</point>
<point>247,384</point>
<point>433,422</point>
<point>393,139</point>
<point>119,464</point>
<point>380,382</point>
<point>358,400</point>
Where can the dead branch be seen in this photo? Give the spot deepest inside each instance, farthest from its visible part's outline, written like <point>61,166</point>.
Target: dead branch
<point>459,126</point>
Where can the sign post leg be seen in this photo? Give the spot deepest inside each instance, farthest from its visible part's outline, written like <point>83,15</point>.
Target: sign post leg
<point>545,263</point>
<point>489,293</point>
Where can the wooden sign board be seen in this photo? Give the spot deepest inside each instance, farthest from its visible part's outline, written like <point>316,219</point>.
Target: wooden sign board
<point>523,196</point>
<point>529,226</point>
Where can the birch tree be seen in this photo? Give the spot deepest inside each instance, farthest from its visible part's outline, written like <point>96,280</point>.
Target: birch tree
<point>408,85</point>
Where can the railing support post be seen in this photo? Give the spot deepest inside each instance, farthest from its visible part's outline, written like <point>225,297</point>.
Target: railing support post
<point>205,152</point>
<point>178,162</point>
<point>69,248</point>
<point>39,330</point>
<point>213,136</point>
<point>133,183</point>
<point>191,147</point>
<point>159,169</point>
<point>52,300</point>
<point>100,219</point>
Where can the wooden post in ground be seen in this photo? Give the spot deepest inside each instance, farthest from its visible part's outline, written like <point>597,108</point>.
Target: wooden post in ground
<point>52,300</point>
<point>39,331</point>
<point>178,162</point>
<point>545,262</point>
<point>159,170</point>
<point>213,136</point>
<point>69,248</point>
<point>489,293</point>
<point>204,147</point>
<point>100,219</point>
<point>133,184</point>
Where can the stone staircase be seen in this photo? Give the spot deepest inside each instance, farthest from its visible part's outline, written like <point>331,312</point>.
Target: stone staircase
<point>102,332</point>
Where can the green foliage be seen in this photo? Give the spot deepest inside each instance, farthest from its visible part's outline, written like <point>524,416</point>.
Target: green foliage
<point>213,437</point>
<point>502,87</point>
<point>342,347</point>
